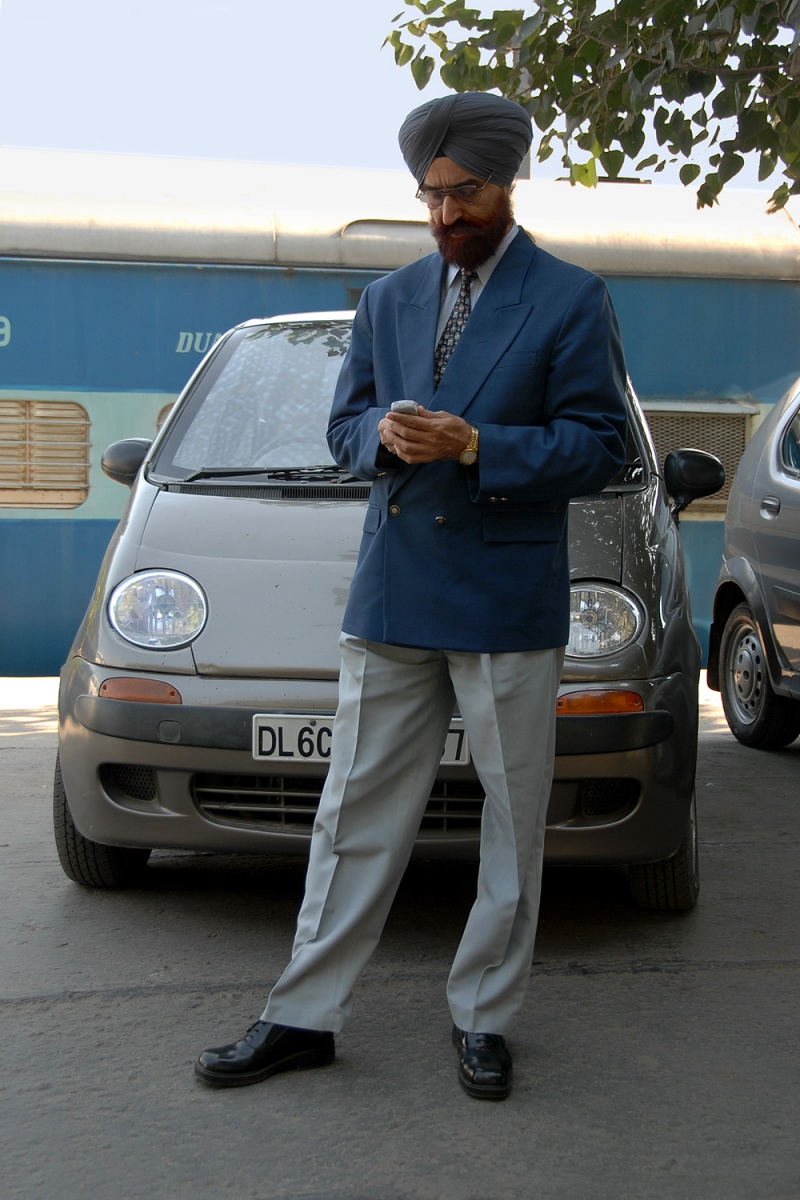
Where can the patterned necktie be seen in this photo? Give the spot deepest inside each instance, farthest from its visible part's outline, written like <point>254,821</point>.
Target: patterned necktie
<point>454,327</point>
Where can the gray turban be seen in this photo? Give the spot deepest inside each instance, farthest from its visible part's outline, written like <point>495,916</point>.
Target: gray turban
<point>485,134</point>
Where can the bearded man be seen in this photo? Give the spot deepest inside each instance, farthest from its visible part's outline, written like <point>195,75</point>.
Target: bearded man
<point>460,597</point>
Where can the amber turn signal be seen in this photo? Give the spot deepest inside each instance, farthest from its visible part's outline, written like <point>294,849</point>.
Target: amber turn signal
<point>607,700</point>
<point>149,691</point>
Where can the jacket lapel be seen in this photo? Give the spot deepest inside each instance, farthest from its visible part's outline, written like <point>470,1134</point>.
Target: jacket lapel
<point>416,334</point>
<point>496,320</point>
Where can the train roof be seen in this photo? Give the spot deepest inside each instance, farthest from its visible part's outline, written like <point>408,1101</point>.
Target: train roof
<point>119,207</point>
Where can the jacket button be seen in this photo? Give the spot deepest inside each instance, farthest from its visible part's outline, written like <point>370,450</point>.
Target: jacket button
<point>441,520</point>
<point>394,511</point>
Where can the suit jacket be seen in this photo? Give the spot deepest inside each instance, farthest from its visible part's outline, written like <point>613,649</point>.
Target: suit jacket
<point>475,558</point>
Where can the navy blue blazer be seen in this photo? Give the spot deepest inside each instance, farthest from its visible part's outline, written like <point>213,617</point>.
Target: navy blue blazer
<point>475,558</point>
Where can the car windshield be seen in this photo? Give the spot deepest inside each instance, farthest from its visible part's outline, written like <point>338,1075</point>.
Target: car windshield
<point>262,406</point>
<point>262,403</point>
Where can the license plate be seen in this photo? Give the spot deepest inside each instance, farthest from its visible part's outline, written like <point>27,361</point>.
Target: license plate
<point>286,737</point>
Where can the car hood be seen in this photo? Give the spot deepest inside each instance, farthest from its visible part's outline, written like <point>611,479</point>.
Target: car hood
<point>596,538</point>
<point>276,573</point>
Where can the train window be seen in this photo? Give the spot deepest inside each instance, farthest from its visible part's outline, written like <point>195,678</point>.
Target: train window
<point>44,454</point>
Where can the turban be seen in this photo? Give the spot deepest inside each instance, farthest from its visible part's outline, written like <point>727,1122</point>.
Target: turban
<point>485,134</point>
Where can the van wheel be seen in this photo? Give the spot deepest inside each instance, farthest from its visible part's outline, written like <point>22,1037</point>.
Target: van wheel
<point>756,716</point>
<point>673,884</point>
<point>87,862</point>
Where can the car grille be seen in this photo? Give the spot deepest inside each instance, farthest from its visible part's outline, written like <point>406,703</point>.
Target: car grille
<point>290,803</point>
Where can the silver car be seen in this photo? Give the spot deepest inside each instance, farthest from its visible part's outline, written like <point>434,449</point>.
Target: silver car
<point>197,703</point>
<point>754,652</point>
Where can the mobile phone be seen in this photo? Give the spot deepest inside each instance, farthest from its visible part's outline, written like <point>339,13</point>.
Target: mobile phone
<point>405,406</point>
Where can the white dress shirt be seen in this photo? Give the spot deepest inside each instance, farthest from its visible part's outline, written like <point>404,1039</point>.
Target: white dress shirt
<point>452,280</point>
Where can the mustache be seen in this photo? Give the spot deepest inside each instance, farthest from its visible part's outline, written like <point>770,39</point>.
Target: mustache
<point>459,226</point>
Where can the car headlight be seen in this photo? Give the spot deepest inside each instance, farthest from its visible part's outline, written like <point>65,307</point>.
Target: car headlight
<point>159,610</point>
<point>602,620</point>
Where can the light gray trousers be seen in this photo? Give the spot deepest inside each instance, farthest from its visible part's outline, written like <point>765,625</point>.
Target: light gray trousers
<point>395,706</point>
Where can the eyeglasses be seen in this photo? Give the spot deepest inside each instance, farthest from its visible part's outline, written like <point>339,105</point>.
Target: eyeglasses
<point>465,193</point>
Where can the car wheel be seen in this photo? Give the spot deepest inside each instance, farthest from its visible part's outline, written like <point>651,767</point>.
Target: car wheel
<point>85,861</point>
<point>756,716</point>
<point>673,884</point>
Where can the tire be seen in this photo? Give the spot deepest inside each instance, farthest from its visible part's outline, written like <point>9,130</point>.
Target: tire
<point>91,863</point>
<point>755,714</point>
<point>673,884</point>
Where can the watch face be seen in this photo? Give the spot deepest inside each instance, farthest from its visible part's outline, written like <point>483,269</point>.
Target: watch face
<point>467,457</point>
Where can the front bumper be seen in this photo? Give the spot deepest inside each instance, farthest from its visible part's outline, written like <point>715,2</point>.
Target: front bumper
<point>182,776</point>
<point>230,728</point>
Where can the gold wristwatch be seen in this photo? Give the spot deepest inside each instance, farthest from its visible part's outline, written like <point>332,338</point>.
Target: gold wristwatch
<point>469,454</point>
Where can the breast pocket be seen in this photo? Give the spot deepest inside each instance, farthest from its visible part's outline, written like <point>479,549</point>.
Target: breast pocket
<point>518,360</point>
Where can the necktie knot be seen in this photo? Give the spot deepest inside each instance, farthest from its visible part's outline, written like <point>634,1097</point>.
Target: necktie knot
<point>454,327</point>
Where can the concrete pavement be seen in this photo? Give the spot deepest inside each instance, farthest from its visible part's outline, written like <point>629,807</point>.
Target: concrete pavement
<point>656,1055</point>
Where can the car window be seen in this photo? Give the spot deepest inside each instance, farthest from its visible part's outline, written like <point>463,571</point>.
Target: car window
<point>263,401</point>
<point>790,447</point>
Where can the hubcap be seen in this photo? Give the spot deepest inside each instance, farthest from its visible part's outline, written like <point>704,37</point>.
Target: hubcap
<point>747,675</point>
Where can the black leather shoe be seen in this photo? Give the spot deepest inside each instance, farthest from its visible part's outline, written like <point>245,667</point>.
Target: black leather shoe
<point>263,1051</point>
<point>484,1064</point>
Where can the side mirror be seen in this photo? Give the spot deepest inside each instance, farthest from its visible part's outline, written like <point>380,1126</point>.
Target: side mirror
<point>122,460</point>
<point>691,474</point>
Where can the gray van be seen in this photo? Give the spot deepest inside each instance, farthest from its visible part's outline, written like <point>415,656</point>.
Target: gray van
<point>197,702</point>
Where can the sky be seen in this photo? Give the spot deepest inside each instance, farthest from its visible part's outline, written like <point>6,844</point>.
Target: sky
<point>272,80</point>
<point>281,81</point>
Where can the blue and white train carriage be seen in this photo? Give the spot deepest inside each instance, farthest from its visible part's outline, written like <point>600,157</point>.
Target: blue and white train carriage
<point>117,273</point>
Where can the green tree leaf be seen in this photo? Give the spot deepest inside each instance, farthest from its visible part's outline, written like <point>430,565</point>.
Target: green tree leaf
<point>585,173</point>
<point>597,76</point>
<point>612,162</point>
<point>422,68</point>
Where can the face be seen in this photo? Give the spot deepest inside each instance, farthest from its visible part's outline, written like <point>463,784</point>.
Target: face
<point>468,234</point>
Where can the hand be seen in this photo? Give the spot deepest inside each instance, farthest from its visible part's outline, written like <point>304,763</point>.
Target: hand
<point>427,437</point>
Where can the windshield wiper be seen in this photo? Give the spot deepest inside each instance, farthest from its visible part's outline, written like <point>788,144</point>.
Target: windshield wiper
<point>221,473</point>
<point>331,473</point>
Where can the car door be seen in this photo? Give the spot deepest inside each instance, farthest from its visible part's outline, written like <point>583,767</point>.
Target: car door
<point>776,532</point>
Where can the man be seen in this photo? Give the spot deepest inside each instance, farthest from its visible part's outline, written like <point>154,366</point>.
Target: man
<point>460,596</point>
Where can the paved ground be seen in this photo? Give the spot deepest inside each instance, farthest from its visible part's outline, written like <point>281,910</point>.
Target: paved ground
<point>656,1056</point>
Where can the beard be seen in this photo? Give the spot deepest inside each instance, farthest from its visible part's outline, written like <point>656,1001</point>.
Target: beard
<point>468,244</point>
